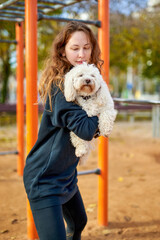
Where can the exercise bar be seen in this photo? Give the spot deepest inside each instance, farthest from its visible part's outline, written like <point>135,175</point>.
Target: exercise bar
<point>16,8</point>
<point>57,7</point>
<point>5,4</point>
<point>45,7</point>
<point>8,41</point>
<point>60,19</point>
<point>135,101</point>
<point>12,16</point>
<point>94,171</point>
<point>103,146</point>
<point>11,19</point>
<point>20,3</point>
<point>8,152</point>
<point>12,12</point>
<point>53,2</point>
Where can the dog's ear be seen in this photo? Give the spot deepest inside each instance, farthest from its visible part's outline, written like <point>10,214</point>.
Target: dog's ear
<point>69,91</point>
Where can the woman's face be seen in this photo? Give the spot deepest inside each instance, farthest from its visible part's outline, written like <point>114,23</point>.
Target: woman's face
<point>78,49</point>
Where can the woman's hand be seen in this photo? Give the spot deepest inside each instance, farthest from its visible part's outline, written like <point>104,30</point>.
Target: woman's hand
<point>97,133</point>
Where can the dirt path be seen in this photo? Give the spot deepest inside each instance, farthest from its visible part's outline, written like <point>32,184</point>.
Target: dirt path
<point>134,187</point>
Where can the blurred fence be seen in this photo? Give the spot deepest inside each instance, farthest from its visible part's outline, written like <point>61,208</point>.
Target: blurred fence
<point>133,105</point>
<point>127,106</point>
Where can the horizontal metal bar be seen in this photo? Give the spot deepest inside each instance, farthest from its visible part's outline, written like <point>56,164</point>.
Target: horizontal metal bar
<point>94,171</point>
<point>8,152</point>
<point>7,3</point>
<point>8,41</point>
<point>60,19</point>
<point>51,1</point>
<point>44,9</point>
<point>12,12</point>
<point>11,16</point>
<point>60,6</point>
<point>20,3</point>
<point>45,6</point>
<point>16,8</point>
<point>11,19</point>
<point>135,101</point>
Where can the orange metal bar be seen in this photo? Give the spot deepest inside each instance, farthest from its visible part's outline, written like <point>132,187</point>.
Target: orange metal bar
<point>20,98</point>
<point>103,38</point>
<point>31,90</point>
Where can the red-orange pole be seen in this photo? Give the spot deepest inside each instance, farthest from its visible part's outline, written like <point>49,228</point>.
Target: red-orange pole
<point>103,38</point>
<point>31,90</point>
<point>20,98</point>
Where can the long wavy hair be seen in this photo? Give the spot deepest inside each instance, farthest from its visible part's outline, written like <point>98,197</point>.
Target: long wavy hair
<point>57,65</point>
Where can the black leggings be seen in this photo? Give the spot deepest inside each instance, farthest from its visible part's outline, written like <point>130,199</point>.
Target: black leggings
<point>50,224</point>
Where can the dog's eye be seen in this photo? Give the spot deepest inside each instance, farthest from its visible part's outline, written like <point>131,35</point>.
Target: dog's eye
<point>81,75</point>
<point>92,75</point>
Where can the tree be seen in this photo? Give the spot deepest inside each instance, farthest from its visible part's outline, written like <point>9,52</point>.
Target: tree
<point>134,38</point>
<point>7,32</point>
<point>135,41</point>
<point>151,57</point>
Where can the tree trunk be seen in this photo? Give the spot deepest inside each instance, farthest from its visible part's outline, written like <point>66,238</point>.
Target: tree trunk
<point>6,69</point>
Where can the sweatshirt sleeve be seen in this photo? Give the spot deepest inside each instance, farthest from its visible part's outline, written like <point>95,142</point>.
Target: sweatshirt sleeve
<point>72,116</point>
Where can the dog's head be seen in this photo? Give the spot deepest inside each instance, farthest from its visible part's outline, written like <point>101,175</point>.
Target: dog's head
<point>82,80</point>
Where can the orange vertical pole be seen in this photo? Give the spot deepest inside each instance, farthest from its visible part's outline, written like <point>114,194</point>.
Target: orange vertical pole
<point>103,38</point>
<point>31,90</point>
<point>20,98</point>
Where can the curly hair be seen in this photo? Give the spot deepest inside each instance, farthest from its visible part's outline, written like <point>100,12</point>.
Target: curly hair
<point>56,66</point>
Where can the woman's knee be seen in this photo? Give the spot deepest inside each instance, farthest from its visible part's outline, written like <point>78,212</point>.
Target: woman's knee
<point>84,222</point>
<point>80,225</point>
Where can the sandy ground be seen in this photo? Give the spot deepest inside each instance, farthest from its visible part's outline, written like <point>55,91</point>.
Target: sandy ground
<point>134,187</point>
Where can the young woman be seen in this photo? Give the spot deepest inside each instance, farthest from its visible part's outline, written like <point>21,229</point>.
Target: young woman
<point>50,175</point>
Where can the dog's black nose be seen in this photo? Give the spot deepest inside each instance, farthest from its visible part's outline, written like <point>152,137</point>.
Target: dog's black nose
<point>88,81</point>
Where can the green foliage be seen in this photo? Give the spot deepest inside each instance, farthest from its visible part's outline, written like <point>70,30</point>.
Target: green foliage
<point>7,32</point>
<point>151,57</point>
<point>135,41</point>
<point>47,31</point>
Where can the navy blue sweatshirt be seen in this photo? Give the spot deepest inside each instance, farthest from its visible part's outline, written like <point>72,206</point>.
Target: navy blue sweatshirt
<point>50,175</point>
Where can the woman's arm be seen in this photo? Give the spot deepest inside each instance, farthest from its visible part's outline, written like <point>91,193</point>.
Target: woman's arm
<point>70,115</point>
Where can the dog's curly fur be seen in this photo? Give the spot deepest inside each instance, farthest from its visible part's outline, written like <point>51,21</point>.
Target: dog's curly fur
<point>85,85</point>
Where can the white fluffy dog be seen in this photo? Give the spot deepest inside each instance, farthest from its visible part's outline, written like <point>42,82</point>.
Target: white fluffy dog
<point>85,85</point>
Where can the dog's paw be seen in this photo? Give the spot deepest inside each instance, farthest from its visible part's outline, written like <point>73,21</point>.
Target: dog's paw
<point>107,131</point>
<point>81,151</point>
